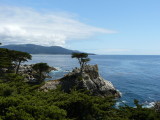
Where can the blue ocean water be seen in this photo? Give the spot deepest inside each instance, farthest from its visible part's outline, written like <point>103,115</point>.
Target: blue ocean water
<point>135,76</point>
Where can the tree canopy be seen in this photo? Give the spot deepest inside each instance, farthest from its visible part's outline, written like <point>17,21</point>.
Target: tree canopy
<point>23,101</point>
<point>18,57</point>
<point>82,59</point>
<point>40,68</point>
<point>12,59</point>
<point>5,60</point>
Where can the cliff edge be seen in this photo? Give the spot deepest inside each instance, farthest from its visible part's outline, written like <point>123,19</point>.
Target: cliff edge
<point>89,79</point>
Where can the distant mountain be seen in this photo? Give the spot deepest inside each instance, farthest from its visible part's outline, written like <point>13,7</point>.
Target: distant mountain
<point>37,49</point>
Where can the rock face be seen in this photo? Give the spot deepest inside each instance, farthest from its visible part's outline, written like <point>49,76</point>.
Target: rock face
<point>29,74</point>
<point>157,106</point>
<point>88,80</point>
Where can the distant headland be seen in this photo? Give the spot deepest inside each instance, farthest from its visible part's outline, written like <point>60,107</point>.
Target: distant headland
<point>38,49</point>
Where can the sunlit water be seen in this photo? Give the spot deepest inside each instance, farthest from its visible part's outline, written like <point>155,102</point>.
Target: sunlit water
<point>136,77</point>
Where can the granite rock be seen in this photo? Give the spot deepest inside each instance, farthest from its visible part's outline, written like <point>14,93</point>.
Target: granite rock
<point>90,80</point>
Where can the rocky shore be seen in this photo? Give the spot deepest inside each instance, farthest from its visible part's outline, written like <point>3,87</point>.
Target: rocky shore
<point>30,75</point>
<point>157,106</point>
<point>90,80</point>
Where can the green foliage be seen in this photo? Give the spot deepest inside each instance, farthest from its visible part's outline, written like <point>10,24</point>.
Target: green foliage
<point>41,67</point>
<point>5,60</point>
<point>10,59</point>
<point>82,59</point>
<point>18,57</point>
<point>22,101</point>
<point>6,90</point>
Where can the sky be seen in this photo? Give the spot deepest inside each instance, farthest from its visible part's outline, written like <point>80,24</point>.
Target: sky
<point>111,27</point>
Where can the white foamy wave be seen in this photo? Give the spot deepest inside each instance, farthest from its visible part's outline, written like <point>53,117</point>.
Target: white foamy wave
<point>58,68</point>
<point>120,93</point>
<point>148,104</point>
<point>119,103</point>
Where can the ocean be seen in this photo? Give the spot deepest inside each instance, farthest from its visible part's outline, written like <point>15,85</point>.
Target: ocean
<point>135,76</point>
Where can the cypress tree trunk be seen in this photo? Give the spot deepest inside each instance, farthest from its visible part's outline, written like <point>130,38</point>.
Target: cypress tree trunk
<point>82,67</point>
<point>40,76</point>
<point>18,67</point>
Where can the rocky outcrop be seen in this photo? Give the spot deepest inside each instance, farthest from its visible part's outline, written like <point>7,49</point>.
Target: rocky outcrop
<point>29,74</point>
<point>157,106</point>
<point>88,80</point>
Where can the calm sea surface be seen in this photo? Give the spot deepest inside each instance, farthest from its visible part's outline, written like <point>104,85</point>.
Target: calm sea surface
<point>136,77</point>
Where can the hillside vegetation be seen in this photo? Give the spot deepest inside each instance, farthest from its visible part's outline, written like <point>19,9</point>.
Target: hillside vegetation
<point>20,100</point>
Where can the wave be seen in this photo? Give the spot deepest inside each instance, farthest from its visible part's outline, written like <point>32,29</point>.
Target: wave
<point>148,104</point>
<point>144,105</point>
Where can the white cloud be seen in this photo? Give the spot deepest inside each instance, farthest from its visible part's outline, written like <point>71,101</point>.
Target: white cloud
<point>27,26</point>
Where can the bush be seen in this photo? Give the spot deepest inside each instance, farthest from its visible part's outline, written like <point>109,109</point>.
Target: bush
<point>5,90</point>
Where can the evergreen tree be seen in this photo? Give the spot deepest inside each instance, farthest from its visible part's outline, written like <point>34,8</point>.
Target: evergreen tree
<point>82,59</point>
<point>40,68</point>
<point>18,57</point>
<point>5,61</point>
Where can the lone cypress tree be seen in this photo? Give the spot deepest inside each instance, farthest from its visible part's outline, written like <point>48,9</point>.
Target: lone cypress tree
<point>82,59</point>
